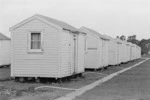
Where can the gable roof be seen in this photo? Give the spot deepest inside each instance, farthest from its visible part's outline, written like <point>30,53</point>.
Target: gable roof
<point>93,31</point>
<point>3,37</point>
<point>59,23</point>
<point>63,25</point>
<point>118,40</point>
<point>109,37</point>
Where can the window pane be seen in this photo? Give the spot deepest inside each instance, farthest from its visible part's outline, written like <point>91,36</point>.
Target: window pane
<point>35,36</point>
<point>35,41</point>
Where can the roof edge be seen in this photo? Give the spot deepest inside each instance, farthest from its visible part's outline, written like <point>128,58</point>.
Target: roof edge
<point>31,18</point>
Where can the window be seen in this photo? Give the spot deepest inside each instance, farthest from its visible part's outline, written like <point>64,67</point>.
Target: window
<point>35,40</point>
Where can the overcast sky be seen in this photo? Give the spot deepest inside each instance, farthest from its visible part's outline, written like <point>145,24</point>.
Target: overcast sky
<point>110,17</point>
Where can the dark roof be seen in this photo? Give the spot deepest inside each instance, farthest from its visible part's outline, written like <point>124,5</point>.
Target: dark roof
<point>3,37</point>
<point>64,25</point>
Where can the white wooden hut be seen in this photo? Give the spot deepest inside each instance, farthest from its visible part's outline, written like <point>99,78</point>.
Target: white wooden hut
<point>130,51</point>
<point>112,50</point>
<point>125,52</point>
<point>119,51</point>
<point>96,54</point>
<point>136,56</point>
<point>46,47</point>
<point>124,49</point>
<point>133,52</point>
<point>138,52</point>
<point>128,46</point>
<point>105,45</point>
<point>4,50</point>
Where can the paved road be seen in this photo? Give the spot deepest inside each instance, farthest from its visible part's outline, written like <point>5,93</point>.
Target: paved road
<point>131,85</point>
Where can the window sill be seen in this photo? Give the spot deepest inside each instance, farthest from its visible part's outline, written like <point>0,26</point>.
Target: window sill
<point>35,51</point>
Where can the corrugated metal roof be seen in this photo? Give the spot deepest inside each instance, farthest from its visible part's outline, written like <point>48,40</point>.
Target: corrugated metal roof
<point>59,23</point>
<point>3,37</point>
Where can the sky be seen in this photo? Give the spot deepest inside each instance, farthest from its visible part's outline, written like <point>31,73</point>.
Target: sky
<point>110,17</point>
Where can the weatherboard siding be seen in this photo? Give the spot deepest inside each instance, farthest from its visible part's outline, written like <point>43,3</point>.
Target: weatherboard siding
<point>65,55</point>
<point>112,55</point>
<point>100,57</point>
<point>105,52</point>
<point>93,55</point>
<point>123,52</point>
<point>91,58</point>
<point>81,53</point>
<point>119,53</point>
<point>5,52</point>
<point>25,63</point>
<point>128,52</point>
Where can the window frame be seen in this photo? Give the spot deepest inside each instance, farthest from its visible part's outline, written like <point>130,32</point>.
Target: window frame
<point>29,42</point>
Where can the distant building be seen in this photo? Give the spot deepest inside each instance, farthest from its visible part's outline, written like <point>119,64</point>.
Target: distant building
<point>4,50</point>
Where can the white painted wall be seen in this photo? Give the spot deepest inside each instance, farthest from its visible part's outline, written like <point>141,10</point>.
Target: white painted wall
<point>128,52</point>
<point>112,51</point>
<point>138,52</point>
<point>124,59</point>
<point>56,59</point>
<point>122,51</point>
<point>65,66</point>
<point>133,52</point>
<point>44,64</point>
<point>72,55</point>
<point>81,53</point>
<point>93,55</point>
<point>105,52</point>
<point>4,52</point>
<point>119,51</point>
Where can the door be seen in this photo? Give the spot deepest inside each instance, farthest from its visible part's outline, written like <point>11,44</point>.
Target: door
<point>91,54</point>
<point>91,57</point>
<point>74,52</point>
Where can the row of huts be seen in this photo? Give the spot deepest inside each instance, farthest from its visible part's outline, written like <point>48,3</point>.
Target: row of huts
<point>46,47</point>
<point>102,50</point>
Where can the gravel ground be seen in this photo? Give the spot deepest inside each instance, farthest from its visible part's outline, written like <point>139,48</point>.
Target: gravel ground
<point>4,73</point>
<point>24,89</point>
<point>74,83</point>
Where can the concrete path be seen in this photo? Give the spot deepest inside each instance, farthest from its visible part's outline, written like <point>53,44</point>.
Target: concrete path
<point>133,84</point>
